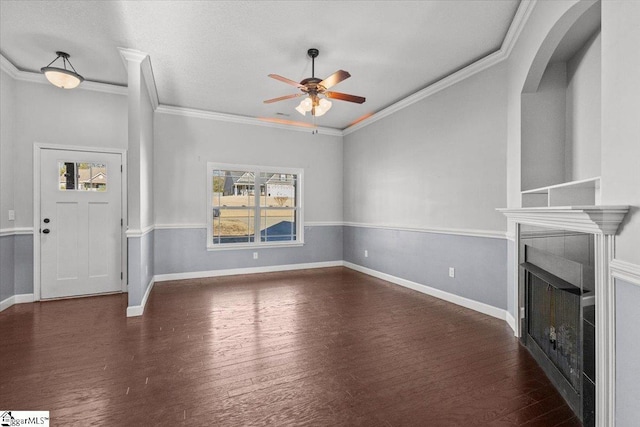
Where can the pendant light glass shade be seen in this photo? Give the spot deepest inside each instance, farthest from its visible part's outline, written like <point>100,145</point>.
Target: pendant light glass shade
<point>305,106</point>
<point>321,106</point>
<point>62,77</point>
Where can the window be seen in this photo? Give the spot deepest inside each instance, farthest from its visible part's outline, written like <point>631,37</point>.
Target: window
<point>83,176</point>
<point>253,206</point>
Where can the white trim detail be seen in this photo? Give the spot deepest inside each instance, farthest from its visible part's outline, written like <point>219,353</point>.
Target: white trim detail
<point>428,290</point>
<point>233,118</point>
<point>324,224</point>
<point>519,20</point>
<point>137,310</point>
<point>458,232</point>
<point>137,232</point>
<point>15,299</point>
<point>585,219</point>
<point>510,321</point>
<point>179,226</point>
<point>627,271</point>
<point>144,60</point>
<point>28,76</point>
<point>248,270</point>
<point>17,231</point>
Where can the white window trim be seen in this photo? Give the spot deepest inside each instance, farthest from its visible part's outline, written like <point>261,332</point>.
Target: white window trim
<point>256,169</point>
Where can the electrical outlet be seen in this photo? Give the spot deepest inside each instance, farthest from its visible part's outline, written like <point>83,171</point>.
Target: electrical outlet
<point>452,272</point>
<point>255,255</point>
<point>12,215</point>
<point>366,253</point>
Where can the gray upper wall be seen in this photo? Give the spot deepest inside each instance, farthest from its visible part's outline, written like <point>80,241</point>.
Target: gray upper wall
<point>48,115</point>
<point>184,145</point>
<point>438,164</point>
<point>7,107</point>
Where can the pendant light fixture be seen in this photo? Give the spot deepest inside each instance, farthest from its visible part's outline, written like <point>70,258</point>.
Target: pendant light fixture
<point>62,77</point>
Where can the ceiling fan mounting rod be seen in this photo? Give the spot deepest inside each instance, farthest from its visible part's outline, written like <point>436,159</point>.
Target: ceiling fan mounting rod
<point>313,53</point>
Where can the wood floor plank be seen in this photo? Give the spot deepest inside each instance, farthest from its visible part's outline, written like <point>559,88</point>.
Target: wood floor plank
<point>321,347</point>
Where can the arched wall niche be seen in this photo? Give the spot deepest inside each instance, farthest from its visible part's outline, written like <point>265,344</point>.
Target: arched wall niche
<point>560,107</point>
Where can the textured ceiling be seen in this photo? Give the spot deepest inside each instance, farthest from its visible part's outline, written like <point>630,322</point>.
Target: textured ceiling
<point>215,55</point>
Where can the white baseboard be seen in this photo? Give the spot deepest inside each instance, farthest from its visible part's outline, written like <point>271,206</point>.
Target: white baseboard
<point>249,270</point>
<point>510,321</point>
<point>455,299</point>
<point>137,310</point>
<point>15,299</point>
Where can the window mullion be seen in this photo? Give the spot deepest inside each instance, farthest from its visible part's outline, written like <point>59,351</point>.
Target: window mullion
<point>257,219</point>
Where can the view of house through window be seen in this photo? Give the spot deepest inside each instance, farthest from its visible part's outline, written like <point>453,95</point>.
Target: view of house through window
<point>253,206</point>
<point>85,176</point>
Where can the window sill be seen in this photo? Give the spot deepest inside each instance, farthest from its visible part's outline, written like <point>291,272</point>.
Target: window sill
<point>236,246</point>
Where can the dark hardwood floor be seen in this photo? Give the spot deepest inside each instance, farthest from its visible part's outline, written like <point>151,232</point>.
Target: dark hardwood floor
<point>323,347</point>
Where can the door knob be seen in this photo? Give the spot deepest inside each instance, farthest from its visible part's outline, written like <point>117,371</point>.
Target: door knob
<point>46,231</point>
<point>46,220</point>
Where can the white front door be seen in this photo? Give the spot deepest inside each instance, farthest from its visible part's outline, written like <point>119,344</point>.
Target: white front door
<point>80,223</point>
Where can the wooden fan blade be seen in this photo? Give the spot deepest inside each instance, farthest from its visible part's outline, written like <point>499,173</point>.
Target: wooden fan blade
<point>345,97</point>
<point>335,78</point>
<point>285,80</point>
<point>282,98</point>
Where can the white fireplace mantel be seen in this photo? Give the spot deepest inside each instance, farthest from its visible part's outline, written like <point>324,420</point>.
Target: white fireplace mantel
<point>585,219</point>
<point>603,223</point>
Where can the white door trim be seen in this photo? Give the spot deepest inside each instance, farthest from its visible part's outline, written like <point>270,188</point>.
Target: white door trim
<point>37,149</point>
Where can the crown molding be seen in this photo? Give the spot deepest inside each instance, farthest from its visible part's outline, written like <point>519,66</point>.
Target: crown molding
<point>28,76</point>
<point>144,60</point>
<point>519,20</point>
<point>517,24</point>
<point>8,67</point>
<point>233,118</point>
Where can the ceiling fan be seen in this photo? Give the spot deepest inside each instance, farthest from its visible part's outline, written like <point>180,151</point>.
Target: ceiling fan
<point>316,90</point>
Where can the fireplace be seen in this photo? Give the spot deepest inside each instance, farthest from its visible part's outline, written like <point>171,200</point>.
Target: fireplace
<point>559,299</point>
<point>600,224</point>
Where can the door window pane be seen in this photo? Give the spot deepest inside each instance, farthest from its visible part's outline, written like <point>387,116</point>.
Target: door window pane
<point>82,176</point>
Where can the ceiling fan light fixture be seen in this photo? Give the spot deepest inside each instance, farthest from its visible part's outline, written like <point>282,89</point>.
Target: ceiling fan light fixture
<point>315,90</point>
<point>301,110</point>
<point>62,77</point>
<point>305,106</point>
<point>323,106</point>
